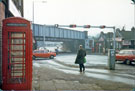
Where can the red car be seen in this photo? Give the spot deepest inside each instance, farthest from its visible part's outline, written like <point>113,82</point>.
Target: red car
<point>127,56</point>
<point>43,54</point>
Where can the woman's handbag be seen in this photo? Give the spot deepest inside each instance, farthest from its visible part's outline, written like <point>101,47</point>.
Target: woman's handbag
<point>84,60</point>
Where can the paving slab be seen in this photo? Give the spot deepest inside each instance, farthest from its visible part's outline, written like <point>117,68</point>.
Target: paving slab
<point>47,85</point>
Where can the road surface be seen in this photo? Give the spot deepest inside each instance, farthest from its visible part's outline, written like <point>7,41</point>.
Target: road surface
<point>96,67</point>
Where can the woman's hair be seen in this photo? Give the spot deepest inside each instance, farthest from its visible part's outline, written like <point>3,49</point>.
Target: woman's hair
<point>80,46</point>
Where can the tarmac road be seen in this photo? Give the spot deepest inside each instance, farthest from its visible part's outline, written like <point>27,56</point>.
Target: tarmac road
<point>122,79</point>
<point>92,61</point>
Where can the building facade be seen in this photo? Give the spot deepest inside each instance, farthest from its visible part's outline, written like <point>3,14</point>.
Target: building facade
<point>125,39</point>
<point>8,8</point>
<point>128,41</point>
<point>104,42</point>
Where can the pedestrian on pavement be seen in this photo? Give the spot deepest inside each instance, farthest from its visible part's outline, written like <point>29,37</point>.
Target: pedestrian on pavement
<point>80,58</point>
<point>56,50</point>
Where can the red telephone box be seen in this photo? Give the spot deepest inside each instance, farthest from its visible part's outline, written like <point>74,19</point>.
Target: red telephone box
<point>16,54</point>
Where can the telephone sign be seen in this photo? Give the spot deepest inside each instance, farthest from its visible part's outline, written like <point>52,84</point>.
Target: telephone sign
<point>17,25</point>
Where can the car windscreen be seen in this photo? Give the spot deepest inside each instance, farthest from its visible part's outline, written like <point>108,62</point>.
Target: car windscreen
<point>121,52</point>
<point>133,52</point>
<point>38,51</point>
<point>35,51</point>
<point>125,52</point>
<point>128,53</point>
<point>41,51</point>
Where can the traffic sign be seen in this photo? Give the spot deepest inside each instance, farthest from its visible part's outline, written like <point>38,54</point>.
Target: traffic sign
<point>72,26</point>
<point>102,27</point>
<point>86,26</point>
<point>56,25</point>
<point>133,1</point>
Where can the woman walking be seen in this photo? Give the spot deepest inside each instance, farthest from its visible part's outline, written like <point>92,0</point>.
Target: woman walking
<point>80,58</point>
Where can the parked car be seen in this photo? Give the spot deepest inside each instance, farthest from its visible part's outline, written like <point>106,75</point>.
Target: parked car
<point>43,54</point>
<point>127,56</point>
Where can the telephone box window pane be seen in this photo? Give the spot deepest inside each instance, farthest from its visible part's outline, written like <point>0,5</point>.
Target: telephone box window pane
<point>17,73</point>
<point>18,60</point>
<point>17,47</point>
<point>18,34</point>
<point>18,41</point>
<point>17,53</point>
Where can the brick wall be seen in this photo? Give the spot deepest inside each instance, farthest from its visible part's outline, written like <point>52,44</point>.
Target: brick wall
<point>2,16</point>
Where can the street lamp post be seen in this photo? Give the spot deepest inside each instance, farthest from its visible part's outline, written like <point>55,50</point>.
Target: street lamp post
<point>134,13</point>
<point>134,10</point>
<point>33,4</point>
<point>33,13</point>
<point>114,36</point>
<point>34,7</point>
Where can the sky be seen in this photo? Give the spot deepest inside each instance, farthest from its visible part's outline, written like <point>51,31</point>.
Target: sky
<point>116,13</point>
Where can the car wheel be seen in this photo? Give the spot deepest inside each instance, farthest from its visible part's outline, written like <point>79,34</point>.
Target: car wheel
<point>128,62</point>
<point>125,62</point>
<point>34,57</point>
<point>115,61</point>
<point>51,57</point>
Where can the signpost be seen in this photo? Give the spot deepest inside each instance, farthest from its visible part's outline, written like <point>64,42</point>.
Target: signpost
<point>134,10</point>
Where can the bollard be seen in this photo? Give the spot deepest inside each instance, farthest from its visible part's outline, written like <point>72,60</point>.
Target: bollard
<point>111,59</point>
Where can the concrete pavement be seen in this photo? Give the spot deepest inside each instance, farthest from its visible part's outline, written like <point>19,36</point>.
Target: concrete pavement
<point>52,79</point>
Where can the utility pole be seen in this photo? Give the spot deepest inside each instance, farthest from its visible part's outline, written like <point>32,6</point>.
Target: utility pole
<point>134,10</point>
<point>33,6</point>
<point>33,15</point>
<point>114,36</point>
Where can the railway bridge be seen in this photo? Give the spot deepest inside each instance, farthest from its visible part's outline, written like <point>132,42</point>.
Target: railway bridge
<point>71,38</point>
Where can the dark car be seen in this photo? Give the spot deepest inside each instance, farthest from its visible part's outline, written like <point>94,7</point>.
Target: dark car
<point>127,56</point>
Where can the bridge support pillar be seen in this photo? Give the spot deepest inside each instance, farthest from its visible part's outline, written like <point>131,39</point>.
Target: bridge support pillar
<point>73,45</point>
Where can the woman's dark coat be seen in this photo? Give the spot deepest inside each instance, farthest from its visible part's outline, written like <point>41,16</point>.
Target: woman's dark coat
<point>80,56</point>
